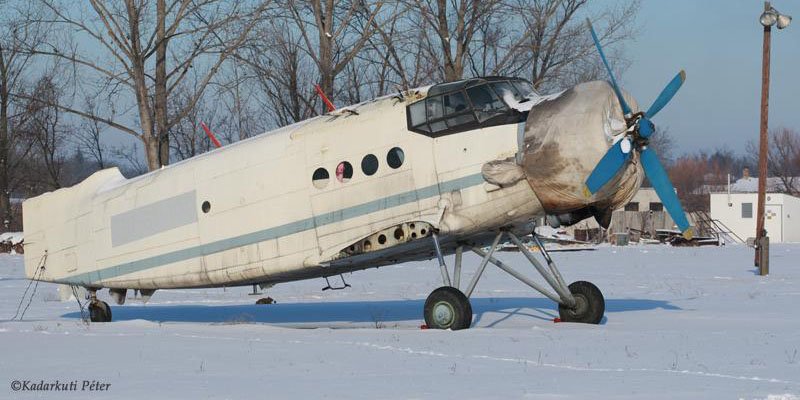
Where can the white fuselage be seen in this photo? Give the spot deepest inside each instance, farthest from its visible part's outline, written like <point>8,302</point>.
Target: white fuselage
<point>250,213</point>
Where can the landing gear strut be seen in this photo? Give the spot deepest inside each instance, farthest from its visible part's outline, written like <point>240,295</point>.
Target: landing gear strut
<point>448,308</point>
<point>99,311</point>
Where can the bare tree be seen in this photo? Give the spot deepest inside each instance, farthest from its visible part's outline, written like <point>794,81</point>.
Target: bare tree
<point>237,98</point>
<point>783,158</point>
<point>139,51</point>
<point>15,65</point>
<point>187,136</point>
<point>282,72</point>
<point>450,27</point>
<point>334,32</point>
<point>131,164</point>
<point>688,175</point>
<point>555,47</point>
<point>46,128</point>
<point>661,142</point>
<point>89,137</point>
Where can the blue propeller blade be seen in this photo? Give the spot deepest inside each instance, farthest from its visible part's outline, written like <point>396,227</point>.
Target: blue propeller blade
<point>666,94</point>
<point>661,183</point>
<point>625,109</point>
<point>607,167</point>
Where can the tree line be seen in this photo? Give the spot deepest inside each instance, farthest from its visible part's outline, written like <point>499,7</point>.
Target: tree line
<point>698,174</point>
<point>75,76</point>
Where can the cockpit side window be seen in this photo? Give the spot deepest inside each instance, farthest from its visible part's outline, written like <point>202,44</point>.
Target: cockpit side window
<point>485,102</point>
<point>436,114</point>
<point>417,118</point>
<point>455,103</point>
<point>459,113</point>
<point>504,88</point>
<point>524,88</point>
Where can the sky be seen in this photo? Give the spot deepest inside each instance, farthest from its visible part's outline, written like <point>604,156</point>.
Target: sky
<point>719,44</point>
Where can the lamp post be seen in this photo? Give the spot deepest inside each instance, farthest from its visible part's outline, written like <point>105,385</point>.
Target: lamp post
<point>769,17</point>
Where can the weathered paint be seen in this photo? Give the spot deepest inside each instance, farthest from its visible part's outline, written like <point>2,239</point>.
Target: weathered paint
<point>267,222</point>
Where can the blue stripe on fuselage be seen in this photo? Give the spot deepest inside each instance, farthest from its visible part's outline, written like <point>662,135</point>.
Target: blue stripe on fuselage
<point>86,279</point>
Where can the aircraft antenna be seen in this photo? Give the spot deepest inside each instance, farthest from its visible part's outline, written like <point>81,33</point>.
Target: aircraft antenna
<point>325,99</point>
<point>211,135</point>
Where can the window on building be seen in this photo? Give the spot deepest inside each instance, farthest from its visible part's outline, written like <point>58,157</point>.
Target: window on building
<point>632,206</point>
<point>320,178</point>
<point>747,210</point>
<point>656,207</point>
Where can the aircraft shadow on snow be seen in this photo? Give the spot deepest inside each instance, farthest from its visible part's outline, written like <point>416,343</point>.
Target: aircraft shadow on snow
<point>359,311</point>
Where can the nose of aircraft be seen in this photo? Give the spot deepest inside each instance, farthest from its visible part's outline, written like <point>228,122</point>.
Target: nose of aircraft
<point>565,137</point>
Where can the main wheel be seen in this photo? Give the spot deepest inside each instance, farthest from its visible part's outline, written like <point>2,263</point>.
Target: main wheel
<point>99,311</point>
<point>590,304</point>
<point>265,300</point>
<point>448,308</point>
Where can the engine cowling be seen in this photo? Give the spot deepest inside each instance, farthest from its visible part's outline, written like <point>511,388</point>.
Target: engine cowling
<point>566,135</point>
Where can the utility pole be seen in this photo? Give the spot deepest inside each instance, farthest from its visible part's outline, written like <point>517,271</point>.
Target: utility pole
<point>762,148</point>
<point>770,17</point>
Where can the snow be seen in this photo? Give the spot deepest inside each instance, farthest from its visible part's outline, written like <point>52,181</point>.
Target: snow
<point>549,232</point>
<point>680,323</point>
<point>11,237</point>
<point>750,185</point>
<point>532,100</point>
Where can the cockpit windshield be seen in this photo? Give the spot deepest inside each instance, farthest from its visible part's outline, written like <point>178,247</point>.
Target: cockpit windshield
<point>470,104</point>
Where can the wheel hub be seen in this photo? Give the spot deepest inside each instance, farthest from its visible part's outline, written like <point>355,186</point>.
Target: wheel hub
<point>581,305</point>
<point>443,314</point>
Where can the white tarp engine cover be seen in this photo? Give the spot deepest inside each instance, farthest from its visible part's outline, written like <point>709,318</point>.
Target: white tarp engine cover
<point>565,138</point>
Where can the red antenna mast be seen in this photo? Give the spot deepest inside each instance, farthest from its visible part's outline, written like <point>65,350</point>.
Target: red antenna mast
<point>327,102</point>
<point>210,135</point>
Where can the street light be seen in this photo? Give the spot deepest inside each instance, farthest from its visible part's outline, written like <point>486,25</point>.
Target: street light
<point>768,18</point>
<point>771,16</point>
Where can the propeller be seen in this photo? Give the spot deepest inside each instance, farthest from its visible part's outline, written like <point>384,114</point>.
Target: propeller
<point>640,128</point>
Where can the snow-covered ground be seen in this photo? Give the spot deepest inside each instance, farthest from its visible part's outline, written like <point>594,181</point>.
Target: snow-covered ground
<point>680,323</point>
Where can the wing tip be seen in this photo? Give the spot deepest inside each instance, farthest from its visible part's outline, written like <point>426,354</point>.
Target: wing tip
<point>688,234</point>
<point>683,75</point>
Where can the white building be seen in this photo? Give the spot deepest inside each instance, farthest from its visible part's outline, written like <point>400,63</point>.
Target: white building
<point>737,210</point>
<point>646,199</point>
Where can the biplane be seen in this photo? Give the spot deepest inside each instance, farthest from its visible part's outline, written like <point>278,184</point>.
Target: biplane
<point>420,174</point>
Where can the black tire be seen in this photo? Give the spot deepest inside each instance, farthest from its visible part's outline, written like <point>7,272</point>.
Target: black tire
<point>99,311</point>
<point>265,300</point>
<point>590,305</point>
<point>448,308</point>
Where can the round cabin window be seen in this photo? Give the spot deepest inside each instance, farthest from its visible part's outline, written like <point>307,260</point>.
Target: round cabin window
<point>320,178</point>
<point>395,157</point>
<point>344,171</point>
<point>369,164</point>
<point>206,207</point>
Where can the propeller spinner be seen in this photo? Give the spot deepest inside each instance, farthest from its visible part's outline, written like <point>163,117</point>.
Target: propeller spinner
<point>636,139</point>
